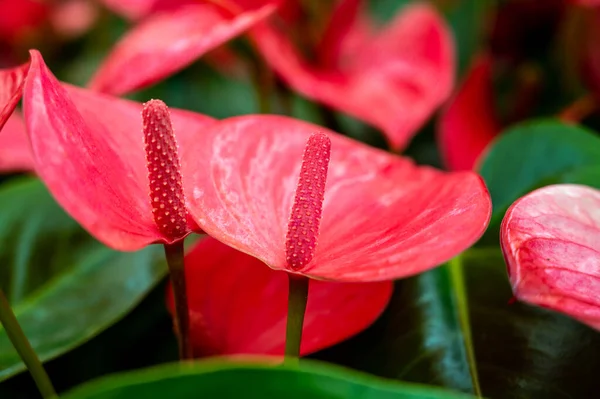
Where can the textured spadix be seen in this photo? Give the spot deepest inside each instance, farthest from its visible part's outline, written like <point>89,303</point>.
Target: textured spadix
<point>305,219</point>
<point>551,243</point>
<point>383,217</point>
<point>239,306</point>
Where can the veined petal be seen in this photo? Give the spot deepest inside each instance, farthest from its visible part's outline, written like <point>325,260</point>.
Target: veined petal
<point>395,83</point>
<point>15,151</point>
<point>551,243</point>
<point>11,88</point>
<point>167,42</point>
<point>239,306</point>
<point>89,151</point>
<point>468,124</point>
<point>383,217</point>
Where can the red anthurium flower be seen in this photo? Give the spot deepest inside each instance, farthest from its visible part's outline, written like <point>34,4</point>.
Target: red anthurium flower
<point>468,124</point>
<point>17,18</point>
<point>551,243</point>
<point>168,41</point>
<point>88,149</point>
<point>382,216</point>
<point>238,306</point>
<point>394,79</point>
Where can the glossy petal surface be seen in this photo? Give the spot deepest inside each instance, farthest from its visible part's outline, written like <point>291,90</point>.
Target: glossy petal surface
<point>239,306</point>
<point>551,244</point>
<point>167,42</point>
<point>11,81</point>
<point>468,124</point>
<point>15,151</point>
<point>89,151</point>
<point>383,217</point>
<point>394,83</point>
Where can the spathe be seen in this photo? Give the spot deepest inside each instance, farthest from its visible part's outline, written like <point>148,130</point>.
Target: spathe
<point>383,217</point>
<point>239,306</point>
<point>88,149</point>
<point>551,244</point>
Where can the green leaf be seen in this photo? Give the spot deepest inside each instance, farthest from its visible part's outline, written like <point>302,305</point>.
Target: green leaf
<point>64,286</point>
<point>469,21</point>
<point>531,155</point>
<point>520,351</point>
<point>252,379</point>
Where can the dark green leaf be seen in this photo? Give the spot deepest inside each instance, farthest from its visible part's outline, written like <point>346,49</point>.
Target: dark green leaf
<point>520,351</point>
<point>220,378</point>
<point>531,155</point>
<point>469,21</point>
<point>64,286</point>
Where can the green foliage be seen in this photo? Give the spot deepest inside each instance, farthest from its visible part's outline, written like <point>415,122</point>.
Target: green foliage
<point>227,379</point>
<point>520,351</point>
<point>64,286</point>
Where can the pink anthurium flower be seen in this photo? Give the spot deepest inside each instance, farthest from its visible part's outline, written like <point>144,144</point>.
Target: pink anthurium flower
<point>168,41</point>
<point>238,306</point>
<point>88,149</point>
<point>551,244</point>
<point>393,79</point>
<point>355,214</point>
<point>468,124</point>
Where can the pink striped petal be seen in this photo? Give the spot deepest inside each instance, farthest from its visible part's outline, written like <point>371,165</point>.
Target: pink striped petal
<point>167,42</point>
<point>239,306</point>
<point>551,243</point>
<point>383,217</point>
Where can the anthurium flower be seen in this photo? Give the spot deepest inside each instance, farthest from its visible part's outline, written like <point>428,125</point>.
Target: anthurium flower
<point>168,41</point>
<point>378,217</point>
<point>468,124</point>
<point>393,79</point>
<point>17,18</point>
<point>551,244</point>
<point>238,306</point>
<point>88,148</point>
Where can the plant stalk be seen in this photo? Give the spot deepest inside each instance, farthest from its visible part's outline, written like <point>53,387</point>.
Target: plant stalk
<point>457,278</point>
<point>21,343</point>
<point>297,299</point>
<point>175,260</point>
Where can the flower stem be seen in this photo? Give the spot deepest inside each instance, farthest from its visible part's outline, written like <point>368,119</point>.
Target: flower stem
<point>21,343</point>
<point>174,254</point>
<point>457,278</point>
<point>297,299</point>
<point>579,110</point>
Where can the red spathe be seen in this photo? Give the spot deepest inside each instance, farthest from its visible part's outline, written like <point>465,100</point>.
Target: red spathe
<point>88,149</point>
<point>383,217</point>
<point>239,306</point>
